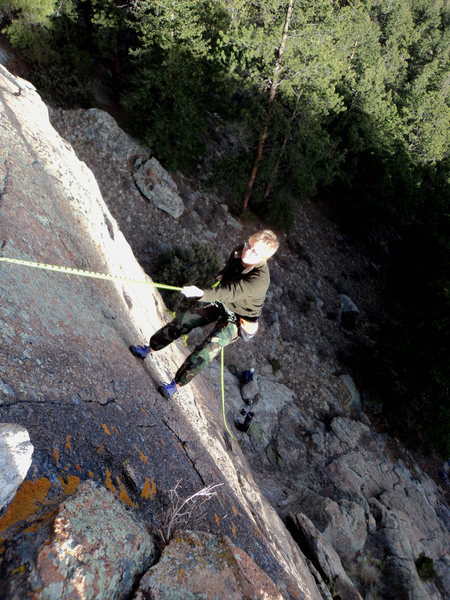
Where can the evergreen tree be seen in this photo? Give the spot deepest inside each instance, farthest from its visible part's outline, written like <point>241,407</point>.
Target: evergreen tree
<point>299,88</point>
<point>176,82</point>
<point>26,19</point>
<point>47,35</point>
<point>272,94</point>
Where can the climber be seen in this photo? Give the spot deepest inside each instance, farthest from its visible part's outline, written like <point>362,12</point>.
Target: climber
<point>234,306</point>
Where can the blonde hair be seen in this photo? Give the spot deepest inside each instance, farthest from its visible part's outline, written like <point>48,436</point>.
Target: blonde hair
<point>268,238</point>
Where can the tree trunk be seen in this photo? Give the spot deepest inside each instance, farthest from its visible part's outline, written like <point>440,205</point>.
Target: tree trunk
<point>272,95</point>
<point>280,154</point>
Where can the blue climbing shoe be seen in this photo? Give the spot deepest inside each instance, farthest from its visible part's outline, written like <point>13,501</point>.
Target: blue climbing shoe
<point>140,351</point>
<point>168,389</point>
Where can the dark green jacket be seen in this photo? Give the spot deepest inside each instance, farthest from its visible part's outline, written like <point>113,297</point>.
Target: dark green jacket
<point>242,293</point>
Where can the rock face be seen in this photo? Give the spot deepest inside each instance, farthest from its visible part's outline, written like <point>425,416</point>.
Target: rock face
<point>16,451</point>
<point>326,558</point>
<point>356,498</point>
<point>91,408</point>
<point>195,565</point>
<point>96,549</point>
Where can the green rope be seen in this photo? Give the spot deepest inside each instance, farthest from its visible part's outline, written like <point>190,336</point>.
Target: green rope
<point>223,394</point>
<point>246,434</point>
<point>81,273</point>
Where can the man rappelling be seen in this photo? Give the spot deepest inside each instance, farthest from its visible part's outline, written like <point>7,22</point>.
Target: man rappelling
<point>234,306</point>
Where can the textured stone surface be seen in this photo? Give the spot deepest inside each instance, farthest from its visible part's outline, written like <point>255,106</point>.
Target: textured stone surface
<point>92,409</point>
<point>96,550</point>
<point>296,443</point>
<point>201,565</point>
<point>16,451</point>
<point>344,478</point>
<point>325,558</point>
<point>343,524</point>
<point>158,186</point>
<point>108,139</point>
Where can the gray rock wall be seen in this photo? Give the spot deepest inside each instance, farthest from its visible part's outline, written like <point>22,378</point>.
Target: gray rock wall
<point>91,408</point>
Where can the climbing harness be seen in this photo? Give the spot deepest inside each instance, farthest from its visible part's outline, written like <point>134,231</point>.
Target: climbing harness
<point>94,275</point>
<point>247,329</point>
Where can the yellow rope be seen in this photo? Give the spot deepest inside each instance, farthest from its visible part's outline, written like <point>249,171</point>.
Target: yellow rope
<point>223,394</point>
<point>92,274</point>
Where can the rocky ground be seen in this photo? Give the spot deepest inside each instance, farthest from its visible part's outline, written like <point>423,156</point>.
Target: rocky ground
<point>315,265</point>
<point>313,447</point>
<point>358,505</point>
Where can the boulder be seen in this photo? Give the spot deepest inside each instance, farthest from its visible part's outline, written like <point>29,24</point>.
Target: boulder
<point>16,451</point>
<point>342,523</point>
<point>203,565</point>
<point>323,556</point>
<point>96,549</point>
<point>348,312</point>
<point>99,129</point>
<point>158,186</point>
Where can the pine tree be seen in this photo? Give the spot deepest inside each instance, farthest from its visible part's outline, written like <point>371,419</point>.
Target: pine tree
<point>272,94</point>
<point>176,82</point>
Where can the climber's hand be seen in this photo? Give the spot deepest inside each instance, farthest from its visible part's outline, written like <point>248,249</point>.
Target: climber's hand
<point>192,291</point>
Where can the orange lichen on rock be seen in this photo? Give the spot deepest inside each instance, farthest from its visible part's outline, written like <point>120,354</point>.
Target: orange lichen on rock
<point>71,486</point>
<point>123,494</point>
<point>233,529</point>
<point>142,456</point>
<point>148,489</point>
<point>109,483</point>
<point>105,429</point>
<point>26,502</point>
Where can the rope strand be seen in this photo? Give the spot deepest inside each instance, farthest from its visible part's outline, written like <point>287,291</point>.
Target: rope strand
<point>82,273</point>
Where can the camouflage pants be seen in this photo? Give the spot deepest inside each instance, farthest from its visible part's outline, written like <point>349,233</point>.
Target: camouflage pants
<point>225,332</point>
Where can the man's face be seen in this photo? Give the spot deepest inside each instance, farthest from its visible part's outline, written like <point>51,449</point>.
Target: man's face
<point>253,254</point>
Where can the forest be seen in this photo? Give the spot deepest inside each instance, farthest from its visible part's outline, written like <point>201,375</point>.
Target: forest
<point>275,102</point>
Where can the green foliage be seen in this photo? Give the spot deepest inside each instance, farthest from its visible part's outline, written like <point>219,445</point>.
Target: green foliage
<point>47,36</point>
<point>197,265</point>
<point>419,286</point>
<point>276,365</point>
<point>425,567</point>
<point>175,82</point>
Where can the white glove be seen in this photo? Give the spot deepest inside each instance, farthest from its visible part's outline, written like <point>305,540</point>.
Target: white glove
<point>192,291</point>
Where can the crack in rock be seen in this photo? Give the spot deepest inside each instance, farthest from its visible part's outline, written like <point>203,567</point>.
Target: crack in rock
<point>4,174</point>
<point>183,445</point>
